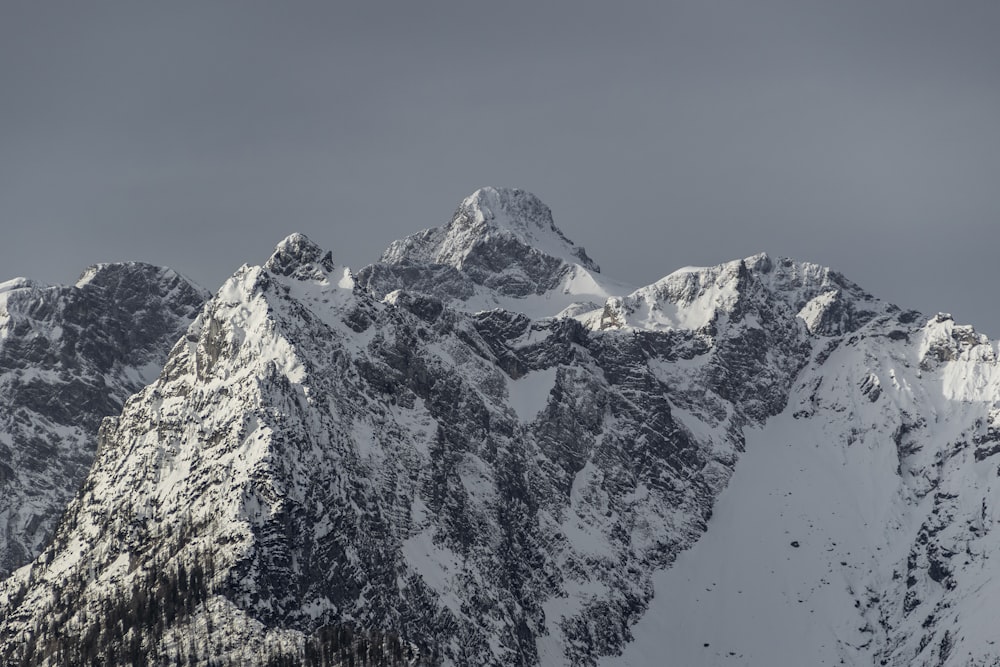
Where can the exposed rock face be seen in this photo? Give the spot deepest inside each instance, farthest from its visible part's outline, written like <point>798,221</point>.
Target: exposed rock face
<point>70,356</point>
<point>494,486</point>
<point>502,239</point>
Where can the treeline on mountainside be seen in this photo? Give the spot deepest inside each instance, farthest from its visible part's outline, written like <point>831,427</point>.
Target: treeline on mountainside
<point>142,623</point>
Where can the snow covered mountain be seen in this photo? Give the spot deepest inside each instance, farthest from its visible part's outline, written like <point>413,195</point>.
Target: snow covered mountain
<point>70,356</point>
<point>865,516</point>
<point>501,249</point>
<point>482,451</point>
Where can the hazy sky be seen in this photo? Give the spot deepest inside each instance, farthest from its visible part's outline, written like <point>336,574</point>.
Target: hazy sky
<point>862,135</point>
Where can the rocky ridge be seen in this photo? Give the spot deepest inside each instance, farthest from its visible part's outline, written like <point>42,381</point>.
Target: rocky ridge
<point>70,356</point>
<point>500,249</point>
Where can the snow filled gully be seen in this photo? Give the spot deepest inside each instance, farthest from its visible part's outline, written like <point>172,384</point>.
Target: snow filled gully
<point>769,584</point>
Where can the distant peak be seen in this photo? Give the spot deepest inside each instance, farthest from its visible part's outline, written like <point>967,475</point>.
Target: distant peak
<point>511,208</point>
<point>759,263</point>
<point>827,302</point>
<point>119,274</point>
<point>518,213</point>
<point>18,284</point>
<point>489,219</point>
<point>295,252</point>
<point>782,271</point>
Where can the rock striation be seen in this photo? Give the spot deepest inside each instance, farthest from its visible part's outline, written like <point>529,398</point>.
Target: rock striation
<point>70,356</point>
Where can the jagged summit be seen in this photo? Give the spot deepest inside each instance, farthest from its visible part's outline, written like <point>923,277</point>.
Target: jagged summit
<point>487,218</point>
<point>103,275</point>
<point>113,274</point>
<point>695,297</point>
<point>500,244</point>
<point>784,275</point>
<point>297,253</point>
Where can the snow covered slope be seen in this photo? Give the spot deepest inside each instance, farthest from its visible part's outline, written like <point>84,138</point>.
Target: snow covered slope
<point>859,527</point>
<point>485,448</point>
<point>70,356</point>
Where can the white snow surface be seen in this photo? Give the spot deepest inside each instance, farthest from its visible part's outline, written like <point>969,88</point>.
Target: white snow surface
<point>743,594</point>
<point>529,393</point>
<point>818,551</point>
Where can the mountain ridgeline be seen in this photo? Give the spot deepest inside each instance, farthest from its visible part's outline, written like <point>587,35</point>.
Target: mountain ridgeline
<point>482,451</point>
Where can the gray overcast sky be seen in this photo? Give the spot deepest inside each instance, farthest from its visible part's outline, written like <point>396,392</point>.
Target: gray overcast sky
<point>862,135</point>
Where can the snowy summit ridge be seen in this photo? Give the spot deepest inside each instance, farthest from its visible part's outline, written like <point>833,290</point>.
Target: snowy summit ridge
<point>488,219</point>
<point>297,252</point>
<point>500,244</point>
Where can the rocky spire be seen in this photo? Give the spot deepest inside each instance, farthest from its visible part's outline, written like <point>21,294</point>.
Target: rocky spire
<point>503,239</point>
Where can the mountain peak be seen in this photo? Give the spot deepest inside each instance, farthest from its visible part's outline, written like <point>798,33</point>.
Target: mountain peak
<point>502,239</point>
<point>17,284</point>
<point>693,297</point>
<point>487,216</point>
<point>125,275</point>
<point>521,214</point>
<point>298,255</point>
